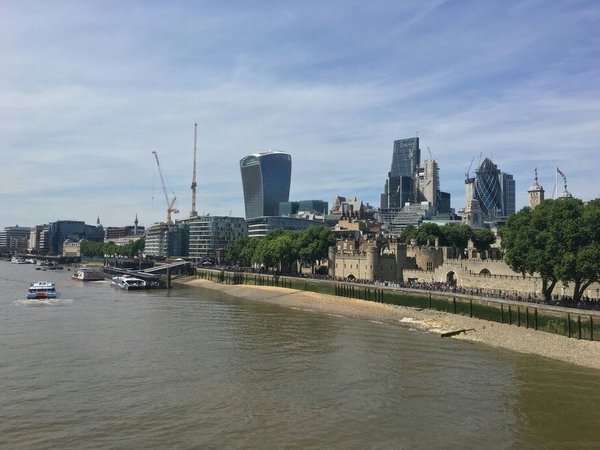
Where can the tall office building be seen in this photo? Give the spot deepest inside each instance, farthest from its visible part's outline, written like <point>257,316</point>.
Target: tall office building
<point>266,179</point>
<point>494,190</point>
<point>400,186</point>
<point>406,158</point>
<point>428,179</point>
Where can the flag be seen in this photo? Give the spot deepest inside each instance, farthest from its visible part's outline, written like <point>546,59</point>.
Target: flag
<point>560,173</point>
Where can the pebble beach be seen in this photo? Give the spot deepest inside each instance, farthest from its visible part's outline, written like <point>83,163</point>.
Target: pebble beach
<point>510,337</point>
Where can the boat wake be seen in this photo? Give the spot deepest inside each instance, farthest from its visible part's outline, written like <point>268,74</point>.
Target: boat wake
<point>44,302</point>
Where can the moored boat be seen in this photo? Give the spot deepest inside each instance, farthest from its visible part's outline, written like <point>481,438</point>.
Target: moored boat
<point>87,274</point>
<point>128,282</point>
<point>17,260</point>
<point>41,290</point>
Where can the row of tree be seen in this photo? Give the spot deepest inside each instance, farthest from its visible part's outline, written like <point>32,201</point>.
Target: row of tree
<point>449,235</point>
<point>99,249</point>
<point>280,249</point>
<point>559,240</point>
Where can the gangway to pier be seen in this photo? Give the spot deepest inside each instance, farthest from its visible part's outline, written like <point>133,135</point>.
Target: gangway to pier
<point>169,266</point>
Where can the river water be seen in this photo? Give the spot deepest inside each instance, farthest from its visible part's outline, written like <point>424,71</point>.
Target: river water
<point>193,368</point>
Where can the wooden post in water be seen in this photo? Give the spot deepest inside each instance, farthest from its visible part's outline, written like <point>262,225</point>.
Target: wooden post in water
<point>168,278</point>
<point>578,326</point>
<point>569,324</point>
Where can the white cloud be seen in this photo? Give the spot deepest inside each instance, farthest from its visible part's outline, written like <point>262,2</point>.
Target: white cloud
<point>87,94</point>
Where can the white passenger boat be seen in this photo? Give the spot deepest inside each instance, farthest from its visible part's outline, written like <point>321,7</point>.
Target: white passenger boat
<point>128,282</point>
<point>85,273</point>
<point>17,260</point>
<point>41,290</point>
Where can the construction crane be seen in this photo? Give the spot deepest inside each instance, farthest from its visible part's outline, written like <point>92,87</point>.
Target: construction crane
<point>170,203</point>
<point>469,169</point>
<point>194,213</point>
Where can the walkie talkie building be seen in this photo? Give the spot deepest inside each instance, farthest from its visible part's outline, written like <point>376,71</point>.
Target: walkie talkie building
<point>266,178</point>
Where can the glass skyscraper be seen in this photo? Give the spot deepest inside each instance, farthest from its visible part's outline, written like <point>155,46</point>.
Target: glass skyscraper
<point>266,179</point>
<point>406,158</point>
<point>495,191</point>
<point>399,186</point>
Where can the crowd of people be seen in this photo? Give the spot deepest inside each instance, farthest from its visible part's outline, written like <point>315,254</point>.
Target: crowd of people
<point>438,286</point>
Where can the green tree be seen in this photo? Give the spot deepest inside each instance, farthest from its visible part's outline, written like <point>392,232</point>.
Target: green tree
<point>284,250</point>
<point>559,240</point>
<point>313,244</point>
<point>457,235</point>
<point>427,233</point>
<point>483,239</point>
<point>408,233</point>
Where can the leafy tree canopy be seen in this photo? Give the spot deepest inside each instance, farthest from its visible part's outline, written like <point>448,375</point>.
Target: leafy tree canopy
<point>559,240</point>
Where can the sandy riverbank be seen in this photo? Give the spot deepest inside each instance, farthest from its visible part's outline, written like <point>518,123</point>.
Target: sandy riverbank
<point>583,353</point>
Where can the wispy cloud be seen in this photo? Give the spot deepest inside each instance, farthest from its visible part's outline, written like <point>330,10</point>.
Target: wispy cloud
<point>89,90</point>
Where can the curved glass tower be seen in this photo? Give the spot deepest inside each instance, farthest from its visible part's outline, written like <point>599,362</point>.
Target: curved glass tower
<point>266,178</point>
<point>495,191</point>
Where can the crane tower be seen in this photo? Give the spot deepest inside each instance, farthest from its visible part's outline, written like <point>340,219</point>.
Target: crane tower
<point>170,203</point>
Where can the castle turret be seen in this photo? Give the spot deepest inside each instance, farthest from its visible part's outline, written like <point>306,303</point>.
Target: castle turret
<point>331,262</point>
<point>400,261</point>
<point>536,192</point>
<point>372,261</point>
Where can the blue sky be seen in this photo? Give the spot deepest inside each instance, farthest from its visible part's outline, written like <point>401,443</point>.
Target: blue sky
<point>88,89</point>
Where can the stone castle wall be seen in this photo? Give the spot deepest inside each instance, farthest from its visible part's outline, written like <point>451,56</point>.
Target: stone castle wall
<point>430,264</point>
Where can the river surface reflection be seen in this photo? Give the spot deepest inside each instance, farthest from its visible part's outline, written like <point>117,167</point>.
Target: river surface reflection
<point>193,368</point>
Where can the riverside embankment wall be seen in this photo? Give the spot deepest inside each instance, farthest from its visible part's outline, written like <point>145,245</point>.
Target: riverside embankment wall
<point>573,323</point>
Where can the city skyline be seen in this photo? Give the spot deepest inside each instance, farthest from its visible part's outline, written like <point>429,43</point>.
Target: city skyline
<point>88,91</point>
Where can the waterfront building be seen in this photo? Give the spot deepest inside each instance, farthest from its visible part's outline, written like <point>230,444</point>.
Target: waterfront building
<point>74,230</point>
<point>210,236</point>
<point>36,235</point>
<point>266,179</point>
<point>261,226</point>
<point>156,240</point>
<point>163,241</point>
<point>15,239</point>
<point>536,192</point>
<point>129,231</point>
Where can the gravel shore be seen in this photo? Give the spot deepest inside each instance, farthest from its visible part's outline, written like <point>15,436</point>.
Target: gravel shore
<point>579,352</point>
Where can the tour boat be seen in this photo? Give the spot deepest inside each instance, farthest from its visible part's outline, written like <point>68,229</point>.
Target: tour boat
<point>41,290</point>
<point>17,260</point>
<point>128,282</point>
<point>87,274</point>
